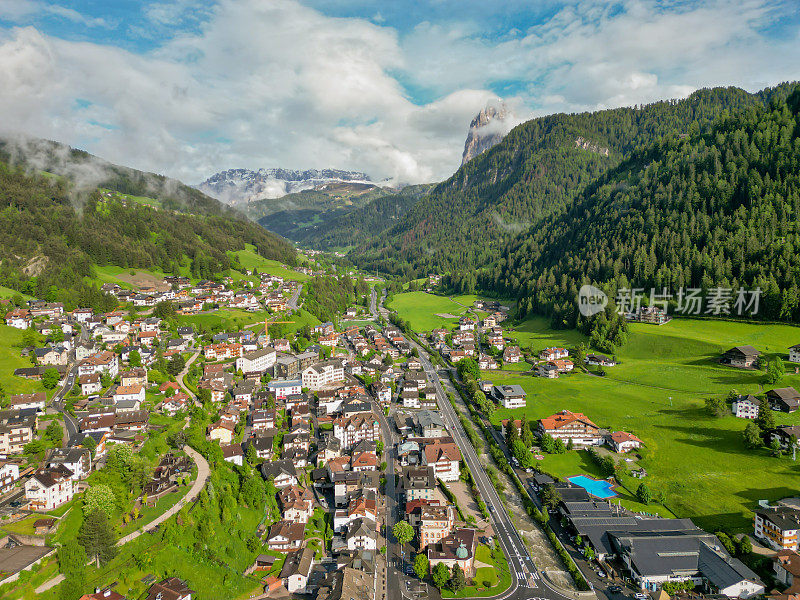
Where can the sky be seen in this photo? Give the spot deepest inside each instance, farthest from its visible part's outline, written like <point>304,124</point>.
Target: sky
<point>188,88</point>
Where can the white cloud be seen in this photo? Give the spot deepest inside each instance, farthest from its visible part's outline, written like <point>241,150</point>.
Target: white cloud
<point>17,11</point>
<point>257,84</point>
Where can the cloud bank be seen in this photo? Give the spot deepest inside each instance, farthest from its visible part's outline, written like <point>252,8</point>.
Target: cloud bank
<point>262,84</point>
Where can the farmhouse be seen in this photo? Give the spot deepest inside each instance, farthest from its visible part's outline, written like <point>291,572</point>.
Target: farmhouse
<point>784,399</point>
<point>794,353</point>
<point>744,357</point>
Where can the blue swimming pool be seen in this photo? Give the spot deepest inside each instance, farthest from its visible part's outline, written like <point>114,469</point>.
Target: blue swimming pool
<point>596,487</point>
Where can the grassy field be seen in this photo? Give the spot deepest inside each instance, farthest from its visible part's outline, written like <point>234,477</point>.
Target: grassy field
<point>657,392</point>
<point>9,293</point>
<point>10,342</point>
<point>249,259</point>
<point>420,308</point>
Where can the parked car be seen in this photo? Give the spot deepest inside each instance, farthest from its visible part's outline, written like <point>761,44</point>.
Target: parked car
<point>640,596</point>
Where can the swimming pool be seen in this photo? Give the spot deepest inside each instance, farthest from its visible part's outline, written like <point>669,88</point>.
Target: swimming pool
<point>596,487</point>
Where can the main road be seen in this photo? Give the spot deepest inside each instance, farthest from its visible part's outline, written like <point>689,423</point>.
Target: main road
<point>526,581</point>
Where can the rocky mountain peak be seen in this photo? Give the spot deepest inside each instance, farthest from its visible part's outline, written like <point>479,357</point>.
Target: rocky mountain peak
<point>487,129</point>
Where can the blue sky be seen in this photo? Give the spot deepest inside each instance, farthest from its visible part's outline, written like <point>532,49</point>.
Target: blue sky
<point>189,88</point>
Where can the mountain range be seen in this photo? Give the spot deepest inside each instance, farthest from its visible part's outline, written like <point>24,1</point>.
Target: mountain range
<point>242,186</point>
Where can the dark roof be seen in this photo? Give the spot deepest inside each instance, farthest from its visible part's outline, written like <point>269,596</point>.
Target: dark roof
<point>278,467</point>
<point>746,350</point>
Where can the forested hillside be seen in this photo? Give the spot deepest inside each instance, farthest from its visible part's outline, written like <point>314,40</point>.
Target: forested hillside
<point>539,170</point>
<point>717,208</point>
<point>354,228</point>
<point>50,239</point>
<point>87,172</point>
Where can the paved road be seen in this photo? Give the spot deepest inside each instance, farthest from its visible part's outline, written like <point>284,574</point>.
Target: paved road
<point>202,477</point>
<point>185,371</point>
<point>199,482</point>
<point>526,582</point>
<point>293,300</point>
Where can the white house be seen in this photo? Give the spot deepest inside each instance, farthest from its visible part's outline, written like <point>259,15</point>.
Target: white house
<point>282,388</point>
<point>794,353</point>
<point>49,488</point>
<point>746,407</point>
<point>622,441</point>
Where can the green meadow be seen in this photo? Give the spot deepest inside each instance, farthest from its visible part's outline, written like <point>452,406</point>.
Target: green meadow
<point>657,392</point>
<point>249,259</point>
<point>421,308</point>
<point>10,360</point>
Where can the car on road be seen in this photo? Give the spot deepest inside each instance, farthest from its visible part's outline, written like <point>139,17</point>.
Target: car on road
<point>640,596</point>
<point>614,589</point>
<point>15,503</point>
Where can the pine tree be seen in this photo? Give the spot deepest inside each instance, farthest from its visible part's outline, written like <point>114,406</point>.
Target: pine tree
<point>97,537</point>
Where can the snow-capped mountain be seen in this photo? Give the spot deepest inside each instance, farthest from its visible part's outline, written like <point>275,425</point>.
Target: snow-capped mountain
<point>240,186</point>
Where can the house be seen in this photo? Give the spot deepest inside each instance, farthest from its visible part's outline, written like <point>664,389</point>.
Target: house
<point>222,431</point>
<point>9,474</point>
<point>622,441</point>
<point>381,392</point>
<point>351,430</point>
<point>786,566</point>
<point>784,399</point>
<point>133,393</point>
<point>361,535</point>
<point>282,472</point>
<point>77,460</point>
<point>553,354</point>
<point>744,357</point>
<point>794,353</point>
<point>361,506</point>
<point>746,407</point>
<point>104,594</point>
<point>512,354</point>
<point>261,420</point>
<point>569,426</point>
<point>486,362</point>
<point>509,396</point>
<point>787,436</point>
<point>137,376</point>
<point>418,483</point>
<point>264,443</point>
<point>296,569</point>
<point>90,384</point>
<point>100,362</point>
<point>547,370</point>
<point>445,458</point>
<point>600,360</point>
<point>285,536</point>
<point>233,454</point>
<point>49,488</point>
<point>19,318</point>
<point>297,503</point>
<point>34,401</point>
<point>430,424</point>
<point>457,548</point>
<point>777,526</point>
<point>171,588</point>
